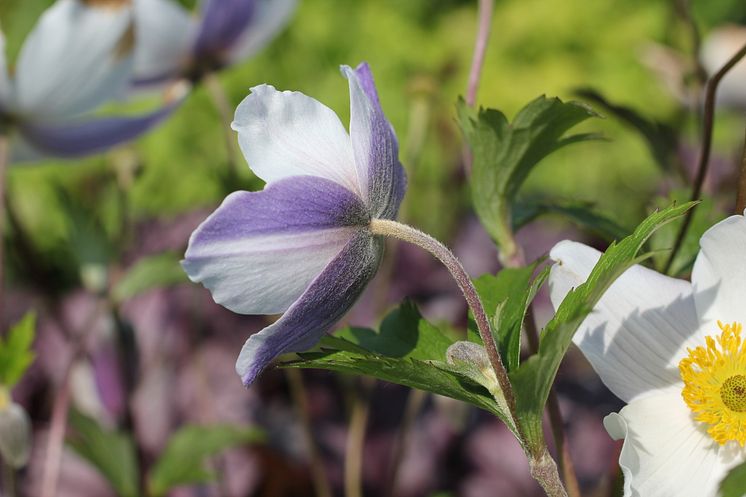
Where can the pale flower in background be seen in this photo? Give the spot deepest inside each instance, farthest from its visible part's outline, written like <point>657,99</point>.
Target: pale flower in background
<point>675,352</point>
<point>77,57</point>
<point>173,44</point>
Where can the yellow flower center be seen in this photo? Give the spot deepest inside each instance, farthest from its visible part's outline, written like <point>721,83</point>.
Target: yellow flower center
<point>715,384</point>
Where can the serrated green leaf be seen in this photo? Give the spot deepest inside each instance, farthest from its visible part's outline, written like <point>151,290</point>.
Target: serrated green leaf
<point>580,213</point>
<point>506,297</point>
<point>16,354</point>
<point>533,379</point>
<point>505,153</point>
<point>182,461</point>
<point>734,483</point>
<point>150,272</point>
<point>403,334</point>
<point>111,452</point>
<point>413,373</point>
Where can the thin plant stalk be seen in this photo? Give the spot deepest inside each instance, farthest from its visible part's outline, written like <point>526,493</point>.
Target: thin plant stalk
<point>298,395</point>
<point>741,196</point>
<point>9,479</point>
<point>353,479</point>
<point>480,48</point>
<point>225,110</point>
<point>704,156</point>
<point>4,152</point>
<point>61,408</point>
<point>415,401</point>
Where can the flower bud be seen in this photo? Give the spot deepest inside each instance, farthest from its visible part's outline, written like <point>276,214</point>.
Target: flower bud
<point>15,433</point>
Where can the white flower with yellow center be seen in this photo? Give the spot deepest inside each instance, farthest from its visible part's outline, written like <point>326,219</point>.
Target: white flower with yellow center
<point>675,351</point>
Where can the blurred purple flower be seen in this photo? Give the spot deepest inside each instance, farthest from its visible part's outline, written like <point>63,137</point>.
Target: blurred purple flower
<point>77,57</point>
<point>302,245</point>
<point>172,44</point>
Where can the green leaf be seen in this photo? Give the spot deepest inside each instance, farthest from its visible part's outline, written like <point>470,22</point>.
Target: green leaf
<point>407,350</point>
<point>16,354</point>
<point>734,483</point>
<point>505,153</point>
<point>580,213</point>
<point>533,379</point>
<point>506,297</point>
<point>111,452</point>
<point>150,272</point>
<point>659,137</point>
<point>183,460</point>
<point>403,334</point>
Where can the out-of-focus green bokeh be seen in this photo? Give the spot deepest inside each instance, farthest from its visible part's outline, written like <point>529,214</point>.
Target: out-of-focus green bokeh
<point>420,52</point>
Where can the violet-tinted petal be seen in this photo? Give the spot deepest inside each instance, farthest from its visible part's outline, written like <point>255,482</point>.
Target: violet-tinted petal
<point>78,56</point>
<point>76,139</point>
<point>324,303</point>
<point>223,22</point>
<point>270,17</point>
<point>286,133</point>
<point>260,250</point>
<point>165,34</point>
<point>375,147</point>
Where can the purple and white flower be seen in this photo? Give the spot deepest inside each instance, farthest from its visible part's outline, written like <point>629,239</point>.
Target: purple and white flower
<point>172,44</point>
<point>77,57</point>
<point>301,246</point>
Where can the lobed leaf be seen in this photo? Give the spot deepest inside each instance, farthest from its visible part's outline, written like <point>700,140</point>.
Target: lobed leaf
<point>734,483</point>
<point>16,354</point>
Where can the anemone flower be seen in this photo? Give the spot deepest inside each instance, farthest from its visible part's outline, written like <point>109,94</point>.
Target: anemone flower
<point>77,57</point>
<point>302,246</point>
<point>172,44</point>
<point>675,353</point>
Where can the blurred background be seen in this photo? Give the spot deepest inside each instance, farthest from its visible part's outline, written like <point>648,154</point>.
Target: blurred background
<point>93,244</point>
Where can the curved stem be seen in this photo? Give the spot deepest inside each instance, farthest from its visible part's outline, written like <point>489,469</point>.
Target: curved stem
<point>385,227</point>
<point>704,157</point>
<point>223,106</point>
<point>480,47</point>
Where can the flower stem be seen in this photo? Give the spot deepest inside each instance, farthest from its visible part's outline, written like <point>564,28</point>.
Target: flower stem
<point>544,470</point>
<point>480,47</point>
<point>9,479</point>
<point>4,150</point>
<point>223,106</point>
<point>741,196</point>
<point>704,157</point>
<point>385,227</point>
<point>356,439</point>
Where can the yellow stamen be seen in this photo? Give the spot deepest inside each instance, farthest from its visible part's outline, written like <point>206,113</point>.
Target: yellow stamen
<point>715,384</point>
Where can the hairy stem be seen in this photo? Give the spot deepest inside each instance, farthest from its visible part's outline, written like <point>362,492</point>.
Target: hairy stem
<point>298,394</point>
<point>385,227</point>
<point>544,471</point>
<point>704,156</point>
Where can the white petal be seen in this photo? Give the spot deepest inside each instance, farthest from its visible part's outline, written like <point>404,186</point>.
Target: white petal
<point>666,453</point>
<point>76,58</point>
<point>165,34</point>
<point>289,134</point>
<point>719,274</point>
<point>636,334</point>
<point>270,17</point>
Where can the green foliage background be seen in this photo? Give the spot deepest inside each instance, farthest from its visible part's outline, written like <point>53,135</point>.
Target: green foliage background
<point>420,52</point>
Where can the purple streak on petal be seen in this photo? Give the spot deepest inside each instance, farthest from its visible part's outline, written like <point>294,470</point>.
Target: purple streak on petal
<point>326,300</point>
<point>292,205</point>
<point>387,180</point>
<point>77,139</point>
<point>223,23</point>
